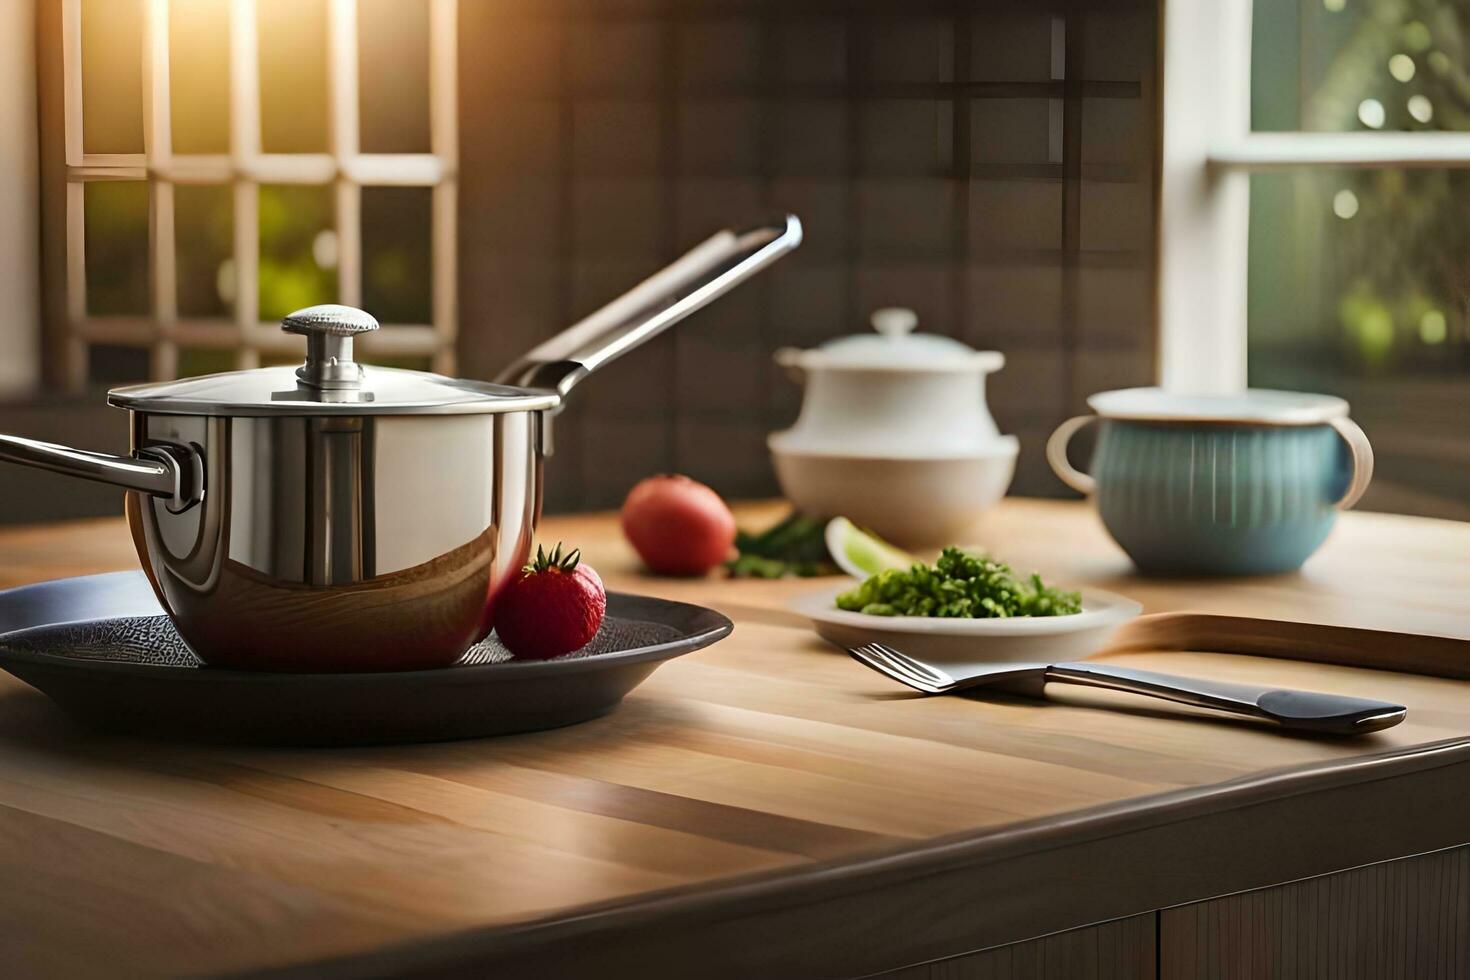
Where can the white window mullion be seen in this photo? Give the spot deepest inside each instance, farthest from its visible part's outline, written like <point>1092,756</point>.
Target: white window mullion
<point>20,213</point>
<point>158,149</point>
<point>444,143</point>
<point>349,242</point>
<point>1288,151</point>
<point>244,84</point>
<point>163,266</point>
<point>74,352</point>
<point>157,119</point>
<point>396,169</point>
<point>245,200</point>
<point>342,86</point>
<point>71,80</point>
<point>342,78</point>
<point>443,73</point>
<point>1203,210</point>
<point>444,260</point>
<point>245,192</point>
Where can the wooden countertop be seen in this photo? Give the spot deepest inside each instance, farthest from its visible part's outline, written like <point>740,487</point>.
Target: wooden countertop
<point>760,802</point>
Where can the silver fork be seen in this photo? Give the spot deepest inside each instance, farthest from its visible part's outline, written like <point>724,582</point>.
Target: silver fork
<point>1304,710</point>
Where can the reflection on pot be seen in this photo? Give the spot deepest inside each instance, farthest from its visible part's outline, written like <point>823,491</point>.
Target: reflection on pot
<point>340,543</point>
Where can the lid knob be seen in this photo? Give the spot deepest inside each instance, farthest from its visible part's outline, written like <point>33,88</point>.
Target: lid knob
<point>894,321</point>
<point>329,330</point>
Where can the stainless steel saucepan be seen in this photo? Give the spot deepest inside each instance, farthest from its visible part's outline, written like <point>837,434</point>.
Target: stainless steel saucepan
<point>341,517</point>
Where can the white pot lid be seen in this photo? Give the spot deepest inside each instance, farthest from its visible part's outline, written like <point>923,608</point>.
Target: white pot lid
<point>1258,406</point>
<point>894,347</point>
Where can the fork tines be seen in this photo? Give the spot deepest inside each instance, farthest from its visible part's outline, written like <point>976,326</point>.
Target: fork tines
<point>901,667</point>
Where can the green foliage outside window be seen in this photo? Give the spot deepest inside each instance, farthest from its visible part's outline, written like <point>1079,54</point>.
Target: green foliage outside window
<point>1370,268</point>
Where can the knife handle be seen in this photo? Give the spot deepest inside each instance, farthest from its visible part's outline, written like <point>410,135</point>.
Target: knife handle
<point>1332,714</point>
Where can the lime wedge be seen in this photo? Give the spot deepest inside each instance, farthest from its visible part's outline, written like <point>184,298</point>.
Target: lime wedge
<point>860,553</point>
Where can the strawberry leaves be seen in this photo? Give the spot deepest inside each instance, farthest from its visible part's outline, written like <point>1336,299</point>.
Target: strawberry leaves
<point>565,564</point>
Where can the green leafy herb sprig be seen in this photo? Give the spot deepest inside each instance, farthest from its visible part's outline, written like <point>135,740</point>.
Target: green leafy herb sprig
<point>960,585</point>
<point>795,546</point>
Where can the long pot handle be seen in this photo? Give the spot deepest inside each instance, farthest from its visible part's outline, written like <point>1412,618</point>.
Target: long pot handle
<point>170,472</point>
<point>704,273</point>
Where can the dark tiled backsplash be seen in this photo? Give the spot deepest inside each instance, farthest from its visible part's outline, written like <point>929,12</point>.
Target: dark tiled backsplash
<point>989,165</point>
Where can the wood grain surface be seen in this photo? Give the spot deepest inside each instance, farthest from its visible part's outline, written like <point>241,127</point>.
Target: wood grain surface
<point>766,760</point>
<point>1124,949</point>
<point>1405,919</point>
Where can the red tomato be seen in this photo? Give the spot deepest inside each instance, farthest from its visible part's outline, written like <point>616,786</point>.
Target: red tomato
<point>677,525</point>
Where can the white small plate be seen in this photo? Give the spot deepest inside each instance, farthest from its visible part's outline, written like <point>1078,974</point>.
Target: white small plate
<point>977,642</point>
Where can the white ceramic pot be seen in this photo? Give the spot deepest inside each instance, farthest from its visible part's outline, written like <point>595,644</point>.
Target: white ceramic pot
<point>893,393</point>
<point>894,433</point>
<point>911,502</point>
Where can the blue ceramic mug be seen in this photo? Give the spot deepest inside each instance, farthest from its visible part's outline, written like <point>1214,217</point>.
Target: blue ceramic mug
<point>1218,484</point>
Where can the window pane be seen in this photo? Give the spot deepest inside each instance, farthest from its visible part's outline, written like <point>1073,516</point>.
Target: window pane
<point>1345,65</point>
<point>195,361</point>
<point>112,77</point>
<point>298,249</point>
<point>393,73</point>
<point>203,233</point>
<point>199,75</point>
<point>293,75</point>
<point>396,280</point>
<point>116,216</point>
<point>108,364</point>
<point>1360,286</point>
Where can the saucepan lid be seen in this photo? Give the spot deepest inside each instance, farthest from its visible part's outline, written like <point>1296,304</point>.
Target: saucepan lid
<point>1254,406</point>
<point>329,382</point>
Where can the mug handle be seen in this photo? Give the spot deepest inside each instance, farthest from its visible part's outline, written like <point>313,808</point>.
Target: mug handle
<point>1362,453</point>
<point>1056,455</point>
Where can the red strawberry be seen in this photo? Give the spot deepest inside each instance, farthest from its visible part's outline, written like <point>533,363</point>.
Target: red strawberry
<point>554,607</point>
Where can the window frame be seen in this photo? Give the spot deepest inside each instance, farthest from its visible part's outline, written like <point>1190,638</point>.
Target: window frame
<point>1208,154</point>
<point>20,217</point>
<point>243,169</point>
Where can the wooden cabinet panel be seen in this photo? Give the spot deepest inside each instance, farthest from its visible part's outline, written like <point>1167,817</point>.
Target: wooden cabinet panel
<point>1408,919</point>
<point>1120,950</point>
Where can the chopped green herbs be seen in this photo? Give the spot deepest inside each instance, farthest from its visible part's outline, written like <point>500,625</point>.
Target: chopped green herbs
<point>795,546</point>
<point>961,586</point>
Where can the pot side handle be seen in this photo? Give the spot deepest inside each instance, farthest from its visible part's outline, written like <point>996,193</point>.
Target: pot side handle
<point>704,273</point>
<point>1056,455</point>
<point>170,472</point>
<point>1361,451</point>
